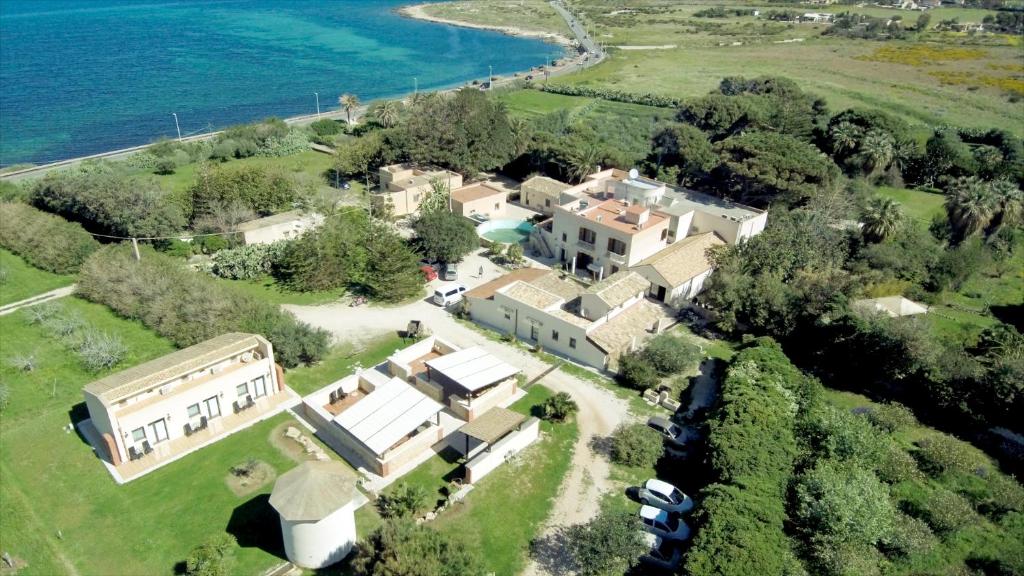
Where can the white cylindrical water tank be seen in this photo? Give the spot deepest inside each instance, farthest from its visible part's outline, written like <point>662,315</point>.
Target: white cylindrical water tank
<point>320,544</point>
<point>318,524</point>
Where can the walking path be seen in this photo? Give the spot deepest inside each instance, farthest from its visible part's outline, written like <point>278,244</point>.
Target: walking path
<point>37,299</point>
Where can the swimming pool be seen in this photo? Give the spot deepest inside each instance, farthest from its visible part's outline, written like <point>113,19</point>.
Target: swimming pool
<point>505,231</point>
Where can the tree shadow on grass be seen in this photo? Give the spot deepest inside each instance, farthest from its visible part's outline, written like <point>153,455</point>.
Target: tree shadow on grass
<point>255,524</point>
<point>551,552</point>
<point>1012,314</point>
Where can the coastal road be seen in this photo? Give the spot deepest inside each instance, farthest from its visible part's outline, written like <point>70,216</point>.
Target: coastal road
<point>578,29</point>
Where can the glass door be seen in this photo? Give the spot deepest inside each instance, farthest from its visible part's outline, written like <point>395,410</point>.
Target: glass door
<point>212,407</point>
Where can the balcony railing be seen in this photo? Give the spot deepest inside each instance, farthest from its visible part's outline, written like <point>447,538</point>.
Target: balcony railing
<point>616,258</point>
<point>584,244</point>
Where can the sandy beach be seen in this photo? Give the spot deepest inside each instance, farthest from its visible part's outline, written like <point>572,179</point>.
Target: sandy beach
<point>418,12</point>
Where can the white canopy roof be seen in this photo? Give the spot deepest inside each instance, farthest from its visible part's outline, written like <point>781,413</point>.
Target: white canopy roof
<point>387,414</point>
<point>473,368</point>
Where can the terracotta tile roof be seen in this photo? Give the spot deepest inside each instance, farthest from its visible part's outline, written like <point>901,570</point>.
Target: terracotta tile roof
<point>615,335</point>
<point>488,289</point>
<point>683,259</point>
<point>619,287</point>
<point>546,185</point>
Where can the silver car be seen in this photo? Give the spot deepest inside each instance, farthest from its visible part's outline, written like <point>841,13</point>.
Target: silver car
<point>661,494</point>
<point>660,523</point>
<point>665,427</point>
<point>664,554</point>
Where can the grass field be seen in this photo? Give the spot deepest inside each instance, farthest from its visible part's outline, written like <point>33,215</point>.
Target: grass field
<point>61,511</point>
<point>508,507</point>
<point>963,92</point>
<point>307,167</point>
<point>19,280</point>
<point>917,205</point>
<point>269,290</point>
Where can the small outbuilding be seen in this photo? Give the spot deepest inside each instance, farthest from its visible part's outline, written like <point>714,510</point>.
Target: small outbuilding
<point>315,502</point>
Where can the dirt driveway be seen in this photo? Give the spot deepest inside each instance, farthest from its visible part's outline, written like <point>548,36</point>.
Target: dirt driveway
<point>600,411</point>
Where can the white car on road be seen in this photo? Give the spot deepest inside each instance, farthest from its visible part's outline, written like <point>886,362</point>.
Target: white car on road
<point>660,523</point>
<point>661,494</point>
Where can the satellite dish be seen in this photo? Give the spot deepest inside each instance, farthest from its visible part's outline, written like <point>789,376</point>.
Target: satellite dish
<point>633,174</point>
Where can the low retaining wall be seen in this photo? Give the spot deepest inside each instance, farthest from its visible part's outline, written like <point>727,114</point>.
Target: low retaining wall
<point>485,462</point>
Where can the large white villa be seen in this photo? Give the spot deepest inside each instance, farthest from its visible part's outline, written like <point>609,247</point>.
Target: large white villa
<point>154,413</point>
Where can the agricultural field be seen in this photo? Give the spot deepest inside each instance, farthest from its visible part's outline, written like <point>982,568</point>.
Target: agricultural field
<point>19,280</point>
<point>660,47</point>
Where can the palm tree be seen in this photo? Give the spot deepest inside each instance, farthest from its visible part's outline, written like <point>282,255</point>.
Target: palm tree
<point>971,205</point>
<point>845,137</point>
<point>348,102</point>
<point>1010,200</point>
<point>522,134</point>
<point>386,112</point>
<point>882,218</point>
<point>582,162</point>
<point>877,149</point>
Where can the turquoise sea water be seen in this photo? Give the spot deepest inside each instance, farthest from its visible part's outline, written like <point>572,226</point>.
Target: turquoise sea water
<point>86,76</point>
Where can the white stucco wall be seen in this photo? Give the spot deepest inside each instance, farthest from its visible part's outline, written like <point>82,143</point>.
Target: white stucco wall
<point>486,462</point>
<point>315,545</point>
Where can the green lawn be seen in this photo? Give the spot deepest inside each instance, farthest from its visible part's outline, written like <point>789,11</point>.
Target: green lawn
<point>19,280</point>
<point>308,167</point>
<point>534,103</point>
<point>60,510</point>
<point>918,205</point>
<point>268,289</point>
<point>56,382</point>
<point>507,508</point>
<point>340,362</point>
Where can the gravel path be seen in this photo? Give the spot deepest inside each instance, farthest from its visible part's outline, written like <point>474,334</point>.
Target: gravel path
<point>600,411</point>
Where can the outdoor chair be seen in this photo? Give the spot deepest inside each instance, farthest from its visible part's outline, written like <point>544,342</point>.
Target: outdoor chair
<point>334,396</point>
<point>133,453</point>
<point>146,448</point>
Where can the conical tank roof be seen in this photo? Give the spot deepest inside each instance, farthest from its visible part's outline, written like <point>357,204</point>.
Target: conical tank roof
<point>313,490</point>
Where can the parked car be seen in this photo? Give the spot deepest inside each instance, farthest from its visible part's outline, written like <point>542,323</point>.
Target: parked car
<point>449,294</point>
<point>428,272</point>
<point>450,272</point>
<point>664,554</point>
<point>661,494</point>
<point>665,427</point>
<point>660,523</point>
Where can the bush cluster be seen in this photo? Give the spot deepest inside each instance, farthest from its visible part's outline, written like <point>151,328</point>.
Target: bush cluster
<point>97,350</point>
<point>188,308</point>
<point>404,501</point>
<point>636,445</point>
<point>664,355</point>
<point>43,240</point>
<point>612,94</point>
<point>941,453</point>
<point>246,262</point>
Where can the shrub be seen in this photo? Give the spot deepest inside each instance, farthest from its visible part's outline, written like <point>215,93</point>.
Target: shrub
<point>245,469</point>
<point>896,465</point>
<point>611,94</point>
<point>22,362</point>
<point>940,453</point>
<point>99,350</point>
<point>292,143</point>
<point>404,501</point>
<point>944,511</point>
<point>246,262</point>
<point>608,544</point>
<point>636,445</point>
<point>670,354</point>
<point>212,558</point>
<point>909,535</point>
<point>325,127</point>
<point>108,202</point>
<point>5,396</point>
<point>559,407</point>
<point>43,240</point>
<point>838,434</point>
<point>444,236</point>
<point>636,372</point>
<point>164,166</point>
<point>221,190</point>
<point>842,503</point>
<point>891,417</point>
<point>401,547</point>
<point>188,308</point>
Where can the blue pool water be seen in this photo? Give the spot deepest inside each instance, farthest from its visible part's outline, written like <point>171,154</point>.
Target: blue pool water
<point>86,76</point>
<point>505,231</point>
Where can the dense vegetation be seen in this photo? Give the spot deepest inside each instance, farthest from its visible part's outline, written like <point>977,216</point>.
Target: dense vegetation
<point>43,240</point>
<point>188,308</point>
<point>825,490</point>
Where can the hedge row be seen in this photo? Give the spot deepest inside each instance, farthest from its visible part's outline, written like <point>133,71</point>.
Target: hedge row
<point>43,240</point>
<point>752,448</point>
<point>613,95</point>
<point>188,308</point>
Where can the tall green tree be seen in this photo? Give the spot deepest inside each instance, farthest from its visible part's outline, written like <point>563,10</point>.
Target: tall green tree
<point>876,151</point>
<point>882,217</point>
<point>765,167</point>
<point>387,112</point>
<point>971,205</point>
<point>685,147</point>
<point>441,235</point>
<point>608,545</point>
<point>392,269</point>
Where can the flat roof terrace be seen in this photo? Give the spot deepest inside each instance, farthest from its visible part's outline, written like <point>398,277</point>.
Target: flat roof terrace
<point>612,213</point>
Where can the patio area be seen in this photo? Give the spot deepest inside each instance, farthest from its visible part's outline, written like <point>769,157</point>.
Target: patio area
<point>169,451</point>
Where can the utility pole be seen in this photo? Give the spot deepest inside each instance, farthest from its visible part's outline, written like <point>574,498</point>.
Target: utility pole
<point>490,77</point>
<point>135,249</point>
<point>175,114</point>
<point>317,94</point>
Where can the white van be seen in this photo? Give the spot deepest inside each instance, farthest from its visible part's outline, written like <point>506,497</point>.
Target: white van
<point>449,294</point>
